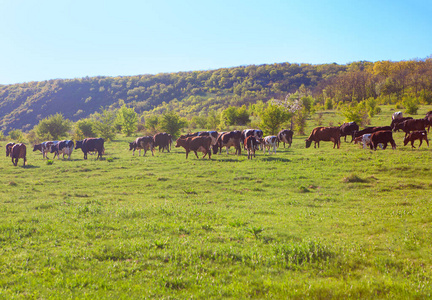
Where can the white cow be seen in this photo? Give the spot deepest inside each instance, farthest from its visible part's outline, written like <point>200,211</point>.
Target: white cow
<point>397,115</point>
<point>270,141</point>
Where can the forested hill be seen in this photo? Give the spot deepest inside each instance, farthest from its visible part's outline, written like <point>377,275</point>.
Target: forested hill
<point>190,93</point>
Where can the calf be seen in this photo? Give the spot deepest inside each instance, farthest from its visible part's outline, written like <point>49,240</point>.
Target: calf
<point>251,144</point>
<point>62,147</point>
<point>285,136</point>
<point>198,143</point>
<point>365,140</point>
<point>229,139</point>
<point>257,133</point>
<point>382,137</point>
<point>9,147</point>
<point>142,143</point>
<point>348,129</point>
<point>324,134</point>
<point>416,135</point>
<point>269,142</point>
<point>18,151</point>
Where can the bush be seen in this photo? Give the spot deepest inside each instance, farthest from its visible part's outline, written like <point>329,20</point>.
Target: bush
<point>411,105</point>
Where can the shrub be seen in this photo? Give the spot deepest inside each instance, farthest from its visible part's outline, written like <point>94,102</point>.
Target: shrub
<point>411,105</point>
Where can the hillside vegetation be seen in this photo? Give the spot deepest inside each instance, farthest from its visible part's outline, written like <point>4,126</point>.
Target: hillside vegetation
<point>189,94</point>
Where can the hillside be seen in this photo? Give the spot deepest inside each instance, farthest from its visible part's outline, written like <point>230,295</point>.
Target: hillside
<point>189,93</point>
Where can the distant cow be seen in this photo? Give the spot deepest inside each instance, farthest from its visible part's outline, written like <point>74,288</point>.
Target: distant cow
<point>229,139</point>
<point>9,147</point>
<point>416,135</point>
<point>251,144</point>
<point>397,115</point>
<point>348,129</point>
<point>365,140</point>
<point>371,130</point>
<point>142,143</point>
<point>257,133</point>
<point>197,143</point>
<point>62,147</point>
<point>285,136</point>
<point>428,117</point>
<point>324,134</point>
<point>91,144</point>
<point>397,121</point>
<point>411,125</point>
<point>162,140</point>
<point>270,141</point>
<point>44,147</point>
<point>382,137</point>
<point>18,151</point>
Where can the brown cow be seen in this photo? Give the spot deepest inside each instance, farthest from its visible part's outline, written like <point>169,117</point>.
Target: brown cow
<point>18,151</point>
<point>229,139</point>
<point>142,143</point>
<point>198,143</point>
<point>324,134</point>
<point>9,148</point>
<point>382,137</point>
<point>371,130</point>
<point>162,140</point>
<point>251,144</point>
<point>416,135</point>
<point>411,125</point>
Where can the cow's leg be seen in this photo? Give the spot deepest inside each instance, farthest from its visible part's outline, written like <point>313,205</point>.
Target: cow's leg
<point>274,149</point>
<point>412,144</point>
<point>187,153</point>
<point>85,155</point>
<point>427,142</point>
<point>227,148</point>
<point>196,154</point>
<point>421,141</point>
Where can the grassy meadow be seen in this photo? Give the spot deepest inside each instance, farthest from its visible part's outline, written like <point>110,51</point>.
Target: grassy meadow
<point>304,223</point>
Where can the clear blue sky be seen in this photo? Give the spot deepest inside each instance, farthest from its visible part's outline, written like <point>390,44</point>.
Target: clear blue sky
<point>49,39</point>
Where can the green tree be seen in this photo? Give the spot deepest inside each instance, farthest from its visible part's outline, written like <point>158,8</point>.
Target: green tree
<point>53,127</point>
<point>171,123</point>
<point>104,124</point>
<point>152,122</point>
<point>84,128</point>
<point>272,118</point>
<point>16,135</point>
<point>127,118</point>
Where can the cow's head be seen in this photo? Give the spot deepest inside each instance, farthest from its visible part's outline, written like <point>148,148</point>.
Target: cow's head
<point>308,143</point>
<point>37,147</point>
<point>132,146</point>
<point>398,126</point>
<point>78,144</point>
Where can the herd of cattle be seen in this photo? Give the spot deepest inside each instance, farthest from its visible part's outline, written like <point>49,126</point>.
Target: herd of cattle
<point>251,140</point>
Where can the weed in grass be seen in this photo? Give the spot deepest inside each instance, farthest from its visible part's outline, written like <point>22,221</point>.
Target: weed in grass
<point>237,223</point>
<point>255,231</point>
<point>353,178</point>
<point>49,162</point>
<point>190,191</point>
<point>110,159</point>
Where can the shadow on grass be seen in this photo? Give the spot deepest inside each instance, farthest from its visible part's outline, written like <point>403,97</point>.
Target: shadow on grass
<point>30,167</point>
<point>275,159</point>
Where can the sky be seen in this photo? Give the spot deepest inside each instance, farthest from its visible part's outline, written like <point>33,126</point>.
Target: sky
<point>62,39</point>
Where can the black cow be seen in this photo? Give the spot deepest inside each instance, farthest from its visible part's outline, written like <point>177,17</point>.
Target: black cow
<point>90,145</point>
<point>64,147</point>
<point>163,140</point>
<point>348,129</point>
<point>285,136</point>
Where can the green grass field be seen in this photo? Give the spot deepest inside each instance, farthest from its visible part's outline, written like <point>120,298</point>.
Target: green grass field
<point>304,223</point>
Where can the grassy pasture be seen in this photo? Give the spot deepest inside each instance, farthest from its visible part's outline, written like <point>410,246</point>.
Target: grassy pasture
<point>304,223</point>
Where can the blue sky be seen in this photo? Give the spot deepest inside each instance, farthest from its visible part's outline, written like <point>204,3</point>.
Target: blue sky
<point>42,40</point>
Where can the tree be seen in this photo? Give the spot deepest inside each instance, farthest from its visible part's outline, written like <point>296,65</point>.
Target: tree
<point>104,124</point>
<point>273,117</point>
<point>171,123</point>
<point>53,127</point>
<point>127,118</point>
<point>84,128</point>
<point>16,135</point>
<point>152,122</point>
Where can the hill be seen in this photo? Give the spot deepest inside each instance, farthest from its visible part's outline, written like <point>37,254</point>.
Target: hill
<point>190,93</point>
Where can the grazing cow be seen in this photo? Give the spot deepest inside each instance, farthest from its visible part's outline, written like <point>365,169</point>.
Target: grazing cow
<point>371,130</point>
<point>197,143</point>
<point>269,142</point>
<point>44,147</point>
<point>397,115</point>
<point>382,137</point>
<point>324,134</point>
<point>9,148</point>
<point>62,147</point>
<point>348,129</point>
<point>229,139</point>
<point>285,136</point>
<point>91,144</point>
<point>142,143</point>
<point>411,125</point>
<point>251,144</point>
<point>214,137</point>
<point>162,140</point>
<point>365,140</point>
<point>416,135</point>
<point>397,121</point>
<point>18,151</point>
